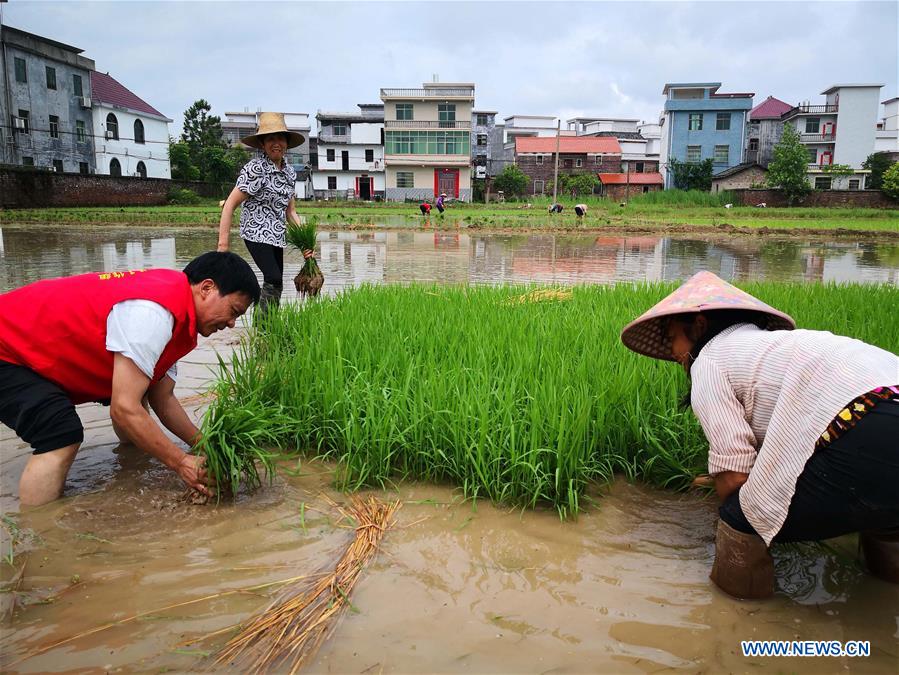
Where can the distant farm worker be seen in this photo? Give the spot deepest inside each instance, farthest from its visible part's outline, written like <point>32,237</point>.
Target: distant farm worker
<point>555,208</point>
<point>801,425</point>
<point>425,208</point>
<point>265,187</point>
<point>580,210</point>
<point>112,338</point>
<point>440,207</point>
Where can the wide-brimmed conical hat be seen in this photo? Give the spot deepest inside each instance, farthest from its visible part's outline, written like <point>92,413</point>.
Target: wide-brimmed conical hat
<point>703,292</point>
<point>273,123</point>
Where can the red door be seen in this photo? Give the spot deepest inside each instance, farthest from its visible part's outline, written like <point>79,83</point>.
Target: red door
<point>446,180</point>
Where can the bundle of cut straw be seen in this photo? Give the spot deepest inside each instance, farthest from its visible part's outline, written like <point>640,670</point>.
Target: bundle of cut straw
<point>290,630</point>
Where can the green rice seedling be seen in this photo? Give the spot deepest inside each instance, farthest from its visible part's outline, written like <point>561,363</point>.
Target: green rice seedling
<point>310,279</point>
<point>522,395</point>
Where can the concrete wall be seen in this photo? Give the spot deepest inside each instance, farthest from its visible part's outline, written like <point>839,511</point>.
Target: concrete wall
<point>427,111</point>
<point>618,193</point>
<point>856,122</point>
<point>154,152</point>
<point>853,198</point>
<point>752,176</point>
<point>28,188</point>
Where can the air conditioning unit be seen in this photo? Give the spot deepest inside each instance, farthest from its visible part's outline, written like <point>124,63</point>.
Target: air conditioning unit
<point>110,135</point>
<point>480,172</point>
<point>84,101</point>
<point>19,122</point>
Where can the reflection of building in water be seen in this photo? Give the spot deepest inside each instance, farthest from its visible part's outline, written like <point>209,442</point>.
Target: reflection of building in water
<point>353,258</point>
<point>2,250</point>
<point>428,256</point>
<point>139,255</point>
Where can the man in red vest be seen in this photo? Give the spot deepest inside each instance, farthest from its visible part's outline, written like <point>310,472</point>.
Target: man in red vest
<point>112,338</point>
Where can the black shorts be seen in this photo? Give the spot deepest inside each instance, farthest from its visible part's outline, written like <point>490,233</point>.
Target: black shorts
<point>38,411</point>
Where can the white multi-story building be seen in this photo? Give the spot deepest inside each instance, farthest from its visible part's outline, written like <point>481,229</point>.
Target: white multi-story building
<point>131,137</point>
<point>840,131</point>
<point>886,137</point>
<point>427,145</point>
<point>350,154</point>
<point>639,152</point>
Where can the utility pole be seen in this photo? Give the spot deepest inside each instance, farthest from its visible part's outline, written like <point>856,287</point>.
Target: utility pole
<point>556,172</point>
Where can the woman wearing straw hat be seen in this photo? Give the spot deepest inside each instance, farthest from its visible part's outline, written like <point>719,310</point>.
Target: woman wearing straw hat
<point>265,187</point>
<point>801,425</point>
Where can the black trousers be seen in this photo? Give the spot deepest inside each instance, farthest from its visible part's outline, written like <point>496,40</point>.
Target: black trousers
<point>850,485</point>
<point>270,261</point>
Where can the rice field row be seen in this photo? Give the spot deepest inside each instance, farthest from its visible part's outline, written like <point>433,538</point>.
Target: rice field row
<point>520,395</point>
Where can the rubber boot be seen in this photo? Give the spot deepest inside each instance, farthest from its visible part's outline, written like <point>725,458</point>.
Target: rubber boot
<point>881,551</point>
<point>270,296</point>
<point>743,566</point>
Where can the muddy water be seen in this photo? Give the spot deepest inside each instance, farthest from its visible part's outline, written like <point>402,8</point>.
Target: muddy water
<point>458,587</point>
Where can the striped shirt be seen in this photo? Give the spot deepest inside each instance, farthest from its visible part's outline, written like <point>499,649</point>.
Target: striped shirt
<point>764,397</point>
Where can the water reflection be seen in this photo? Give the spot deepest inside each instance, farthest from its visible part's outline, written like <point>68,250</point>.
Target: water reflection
<point>350,258</point>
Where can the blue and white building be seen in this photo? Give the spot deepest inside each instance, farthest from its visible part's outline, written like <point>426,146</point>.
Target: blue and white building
<point>699,123</point>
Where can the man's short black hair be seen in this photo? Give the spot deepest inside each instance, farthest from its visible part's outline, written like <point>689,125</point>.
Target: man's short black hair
<point>230,272</point>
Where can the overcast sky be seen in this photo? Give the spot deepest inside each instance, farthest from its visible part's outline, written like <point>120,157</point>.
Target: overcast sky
<point>539,58</point>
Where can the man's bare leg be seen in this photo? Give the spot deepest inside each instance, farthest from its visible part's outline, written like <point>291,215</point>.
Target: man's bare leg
<point>45,474</point>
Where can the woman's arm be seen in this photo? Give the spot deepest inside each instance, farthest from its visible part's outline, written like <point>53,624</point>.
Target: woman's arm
<point>292,216</point>
<point>234,200</point>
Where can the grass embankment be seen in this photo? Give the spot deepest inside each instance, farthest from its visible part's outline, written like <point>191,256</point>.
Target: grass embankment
<point>524,397</point>
<point>658,211</point>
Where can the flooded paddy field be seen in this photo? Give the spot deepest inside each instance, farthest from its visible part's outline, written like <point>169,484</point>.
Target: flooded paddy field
<point>458,586</point>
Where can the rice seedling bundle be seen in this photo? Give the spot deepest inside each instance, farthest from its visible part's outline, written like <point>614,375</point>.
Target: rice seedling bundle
<point>310,279</point>
<point>517,395</point>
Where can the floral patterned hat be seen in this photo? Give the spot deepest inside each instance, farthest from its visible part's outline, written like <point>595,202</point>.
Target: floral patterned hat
<point>702,292</point>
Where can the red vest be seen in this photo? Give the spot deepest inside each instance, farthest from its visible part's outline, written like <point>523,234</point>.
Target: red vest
<point>57,327</point>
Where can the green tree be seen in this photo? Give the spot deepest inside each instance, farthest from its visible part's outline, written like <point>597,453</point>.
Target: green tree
<point>579,184</point>
<point>691,175</point>
<point>890,184</point>
<point>179,158</point>
<point>789,167</point>
<point>838,171</point>
<point>201,130</point>
<point>511,180</point>
<point>877,163</point>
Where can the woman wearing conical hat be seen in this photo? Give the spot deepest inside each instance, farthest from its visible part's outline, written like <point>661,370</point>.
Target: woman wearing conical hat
<point>802,427</point>
<point>265,188</point>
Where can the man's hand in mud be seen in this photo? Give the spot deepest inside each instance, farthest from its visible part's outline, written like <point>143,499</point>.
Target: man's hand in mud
<point>192,470</point>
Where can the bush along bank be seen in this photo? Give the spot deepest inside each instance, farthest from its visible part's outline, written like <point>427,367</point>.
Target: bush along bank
<point>521,395</point>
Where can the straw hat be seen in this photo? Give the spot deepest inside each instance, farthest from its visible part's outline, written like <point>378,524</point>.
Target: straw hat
<point>272,123</point>
<point>702,292</point>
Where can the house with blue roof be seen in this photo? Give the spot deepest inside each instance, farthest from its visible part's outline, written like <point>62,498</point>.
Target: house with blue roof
<point>699,123</point>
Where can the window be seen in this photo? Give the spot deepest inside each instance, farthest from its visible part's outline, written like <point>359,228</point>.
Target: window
<point>578,163</point>
<point>753,144</point>
<point>57,165</point>
<point>722,154</point>
<point>139,132</point>
<point>115,168</point>
<point>369,155</point>
<point>82,168</point>
<point>22,127</point>
<point>812,125</point>
<point>722,122</point>
<point>414,142</point>
<point>141,169</point>
<point>482,140</point>
<point>695,122</point>
<point>645,189</point>
<point>482,120</point>
<point>21,73</point>
<point>54,126</point>
<point>339,129</point>
<point>694,153</point>
<point>112,128</point>
<point>405,179</point>
<point>446,113</point>
<point>404,111</point>
<point>28,161</point>
<point>76,85</point>
<point>332,182</point>
<point>80,133</point>
<point>539,159</point>
<point>822,182</point>
<point>854,184</point>
<point>329,155</point>
<point>567,163</point>
<point>812,155</point>
<point>639,167</point>
<point>51,78</point>
<point>538,187</point>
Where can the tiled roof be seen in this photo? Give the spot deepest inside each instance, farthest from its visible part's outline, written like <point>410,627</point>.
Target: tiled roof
<point>739,168</point>
<point>635,178</point>
<point>571,145</point>
<point>106,89</point>
<point>770,108</point>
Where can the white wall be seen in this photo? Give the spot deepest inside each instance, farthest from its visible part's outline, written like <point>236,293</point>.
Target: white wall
<point>856,124</point>
<point>365,132</point>
<point>356,157</point>
<point>154,153</point>
<point>346,180</point>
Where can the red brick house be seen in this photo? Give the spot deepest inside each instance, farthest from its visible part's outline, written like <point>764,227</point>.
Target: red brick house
<point>619,186</point>
<point>536,157</point>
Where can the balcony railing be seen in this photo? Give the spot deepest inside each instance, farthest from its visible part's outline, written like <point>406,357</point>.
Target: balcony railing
<point>818,138</point>
<point>425,124</point>
<point>442,92</point>
<point>817,109</point>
